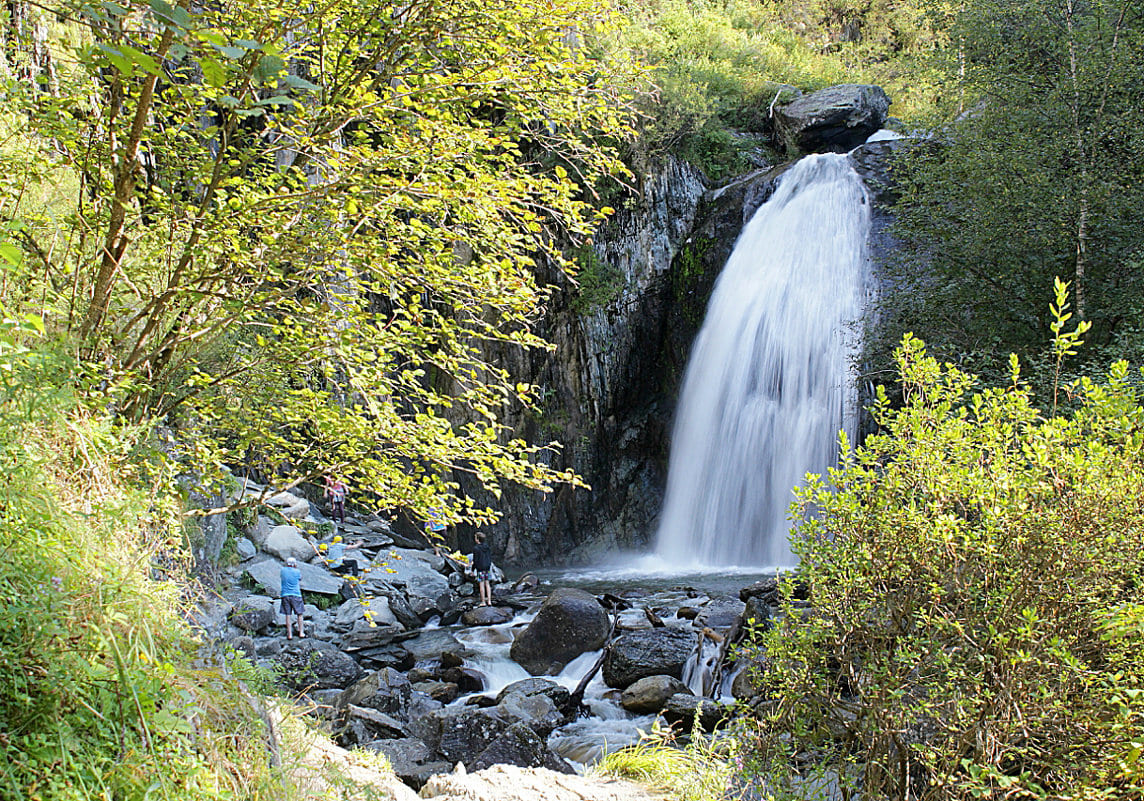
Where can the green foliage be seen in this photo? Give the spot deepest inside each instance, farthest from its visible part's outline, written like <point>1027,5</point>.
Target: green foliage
<point>976,571</point>
<point>1037,175</point>
<point>697,770</point>
<point>298,239</point>
<point>99,692</point>
<point>719,66</point>
<point>599,282</point>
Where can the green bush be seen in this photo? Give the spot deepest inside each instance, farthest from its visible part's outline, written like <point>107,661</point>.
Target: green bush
<point>977,578</point>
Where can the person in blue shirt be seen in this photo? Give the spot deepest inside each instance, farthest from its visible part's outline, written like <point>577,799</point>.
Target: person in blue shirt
<point>290,578</point>
<point>335,556</point>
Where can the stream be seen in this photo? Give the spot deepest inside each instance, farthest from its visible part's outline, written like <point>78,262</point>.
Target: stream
<point>609,727</point>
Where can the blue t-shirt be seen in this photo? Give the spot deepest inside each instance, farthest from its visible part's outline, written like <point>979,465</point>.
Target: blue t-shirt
<point>291,579</point>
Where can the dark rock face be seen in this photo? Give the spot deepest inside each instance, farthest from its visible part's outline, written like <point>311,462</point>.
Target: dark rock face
<point>313,664</point>
<point>652,652</point>
<point>387,691</point>
<point>569,623</point>
<point>459,735</point>
<point>519,745</point>
<point>648,696</point>
<point>834,119</point>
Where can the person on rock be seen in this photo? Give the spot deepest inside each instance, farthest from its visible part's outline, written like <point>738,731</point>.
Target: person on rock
<point>482,567</point>
<point>435,530</point>
<point>291,593</point>
<point>336,493</point>
<point>335,556</point>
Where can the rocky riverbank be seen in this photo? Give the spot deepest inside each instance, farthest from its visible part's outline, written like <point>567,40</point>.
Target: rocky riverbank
<point>398,662</point>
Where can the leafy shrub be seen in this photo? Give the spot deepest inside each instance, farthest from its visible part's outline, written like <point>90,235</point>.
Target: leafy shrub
<point>977,579</point>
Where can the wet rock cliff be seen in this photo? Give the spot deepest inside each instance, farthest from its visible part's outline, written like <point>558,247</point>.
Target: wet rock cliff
<point>622,338</point>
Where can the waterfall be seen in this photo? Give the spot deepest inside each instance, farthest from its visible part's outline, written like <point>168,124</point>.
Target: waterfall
<point>770,383</point>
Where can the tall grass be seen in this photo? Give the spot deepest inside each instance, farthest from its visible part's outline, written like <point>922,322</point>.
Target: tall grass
<point>104,691</point>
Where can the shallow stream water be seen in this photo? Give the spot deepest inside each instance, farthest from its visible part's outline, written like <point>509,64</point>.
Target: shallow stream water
<point>609,727</point>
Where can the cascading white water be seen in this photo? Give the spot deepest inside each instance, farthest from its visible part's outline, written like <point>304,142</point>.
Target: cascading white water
<point>769,383</point>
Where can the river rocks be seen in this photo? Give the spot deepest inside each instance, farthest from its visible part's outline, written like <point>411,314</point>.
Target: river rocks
<point>537,686</point>
<point>486,616</point>
<point>286,541</point>
<point>363,725</point>
<point>415,572</point>
<point>651,652</point>
<point>521,746</point>
<point>411,759</point>
<point>648,695</point>
<point>374,609</point>
<point>721,613</point>
<point>537,711</point>
<point>834,119</point>
<point>386,690</point>
<point>568,623</point>
<point>681,711</point>
<point>253,613</point>
<point>312,664</point>
<point>459,735</point>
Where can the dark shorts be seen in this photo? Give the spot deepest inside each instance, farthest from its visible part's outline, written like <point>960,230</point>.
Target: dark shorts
<point>292,605</point>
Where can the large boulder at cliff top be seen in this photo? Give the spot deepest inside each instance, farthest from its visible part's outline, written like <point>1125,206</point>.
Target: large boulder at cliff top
<point>835,119</point>
<point>314,665</point>
<point>569,623</point>
<point>648,695</point>
<point>652,652</point>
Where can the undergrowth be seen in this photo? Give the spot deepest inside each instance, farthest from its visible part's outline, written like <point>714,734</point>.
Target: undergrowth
<point>105,692</point>
<point>701,769</point>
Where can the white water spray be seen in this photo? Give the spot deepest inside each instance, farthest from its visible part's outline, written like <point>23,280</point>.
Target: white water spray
<point>770,382</point>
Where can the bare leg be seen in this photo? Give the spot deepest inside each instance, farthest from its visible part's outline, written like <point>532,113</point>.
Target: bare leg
<point>301,627</point>
<point>289,627</point>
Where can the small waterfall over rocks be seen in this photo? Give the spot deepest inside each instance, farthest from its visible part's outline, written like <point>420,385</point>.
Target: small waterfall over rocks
<point>769,383</point>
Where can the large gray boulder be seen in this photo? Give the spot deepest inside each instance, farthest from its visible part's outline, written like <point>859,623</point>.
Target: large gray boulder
<point>835,119</point>
<point>285,541</point>
<point>415,572</point>
<point>570,622</point>
<point>538,712</point>
<point>649,695</point>
<point>652,652</point>
<point>315,665</point>
<point>253,613</point>
<point>459,735</point>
